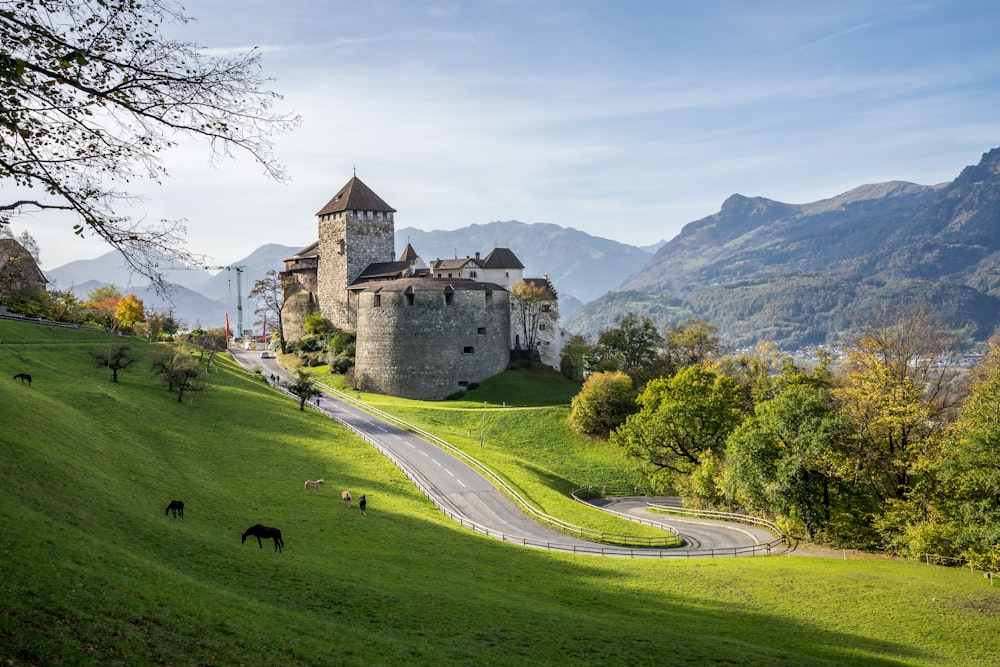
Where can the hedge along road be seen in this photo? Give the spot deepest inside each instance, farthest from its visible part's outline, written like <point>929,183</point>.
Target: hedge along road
<point>465,495</point>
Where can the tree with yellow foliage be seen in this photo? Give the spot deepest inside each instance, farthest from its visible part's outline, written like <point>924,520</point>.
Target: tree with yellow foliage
<point>130,311</point>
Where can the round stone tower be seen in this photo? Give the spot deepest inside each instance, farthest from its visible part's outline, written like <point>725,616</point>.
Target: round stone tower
<point>356,228</point>
<point>427,338</point>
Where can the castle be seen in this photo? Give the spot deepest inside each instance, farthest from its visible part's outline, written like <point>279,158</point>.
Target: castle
<point>423,332</point>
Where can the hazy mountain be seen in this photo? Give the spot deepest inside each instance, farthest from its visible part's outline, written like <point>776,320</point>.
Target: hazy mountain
<point>200,295</point>
<point>578,264</point>
<point>797,274</point>
<point>111,269</point>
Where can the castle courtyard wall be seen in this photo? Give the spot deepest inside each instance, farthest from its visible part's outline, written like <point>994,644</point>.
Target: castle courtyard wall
<point>427,345</point>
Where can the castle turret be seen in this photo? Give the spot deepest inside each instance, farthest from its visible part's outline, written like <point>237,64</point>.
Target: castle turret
<point>356,229</point>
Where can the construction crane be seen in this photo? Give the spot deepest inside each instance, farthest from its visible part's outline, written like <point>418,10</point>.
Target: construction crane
<point>239,293</point>
<point>239,287</point>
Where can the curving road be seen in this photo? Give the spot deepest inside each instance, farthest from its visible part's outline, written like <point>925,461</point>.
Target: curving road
<point>465,495</point>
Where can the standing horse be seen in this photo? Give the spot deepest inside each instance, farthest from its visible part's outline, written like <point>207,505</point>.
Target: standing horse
<point>23,377</point>
<point>267,532</point>
<point>177,507</point>
<point>363,504</point>
<point>315,485</point>
<point>346,495</point>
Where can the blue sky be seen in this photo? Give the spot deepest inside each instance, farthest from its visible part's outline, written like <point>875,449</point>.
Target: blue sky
<point>626,119</point>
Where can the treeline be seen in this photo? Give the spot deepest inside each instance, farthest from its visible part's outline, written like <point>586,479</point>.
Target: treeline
<point>887,447</point>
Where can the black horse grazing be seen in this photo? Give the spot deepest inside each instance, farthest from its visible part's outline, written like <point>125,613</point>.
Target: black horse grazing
<point>177,507</point>
<point>23,377</point>
<point>267,532</point>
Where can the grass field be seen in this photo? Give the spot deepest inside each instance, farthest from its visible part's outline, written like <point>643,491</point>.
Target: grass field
<point>92,572</point>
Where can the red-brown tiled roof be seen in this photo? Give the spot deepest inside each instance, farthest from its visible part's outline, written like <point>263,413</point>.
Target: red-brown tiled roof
<point>355,196</point>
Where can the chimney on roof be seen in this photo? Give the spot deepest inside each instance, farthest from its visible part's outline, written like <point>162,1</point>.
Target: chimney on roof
<point>477,254</point>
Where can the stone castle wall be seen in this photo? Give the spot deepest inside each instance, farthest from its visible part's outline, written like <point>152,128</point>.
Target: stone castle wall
<point>299,290</point>
<point>348,242</point>
<point>428,345</point>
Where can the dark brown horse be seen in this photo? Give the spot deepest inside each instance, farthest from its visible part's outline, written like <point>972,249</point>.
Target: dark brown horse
<point>23,377</point>
<point>268,533</point>
<point>177,507</point>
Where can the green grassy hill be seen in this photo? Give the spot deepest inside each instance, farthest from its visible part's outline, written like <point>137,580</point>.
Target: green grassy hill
<point>92,572</point>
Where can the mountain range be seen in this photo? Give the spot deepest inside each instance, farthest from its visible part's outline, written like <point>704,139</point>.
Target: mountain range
<point>758,269</point>
<point>805,274</point>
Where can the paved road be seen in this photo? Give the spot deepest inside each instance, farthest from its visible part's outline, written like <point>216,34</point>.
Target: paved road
<point>466,495</point>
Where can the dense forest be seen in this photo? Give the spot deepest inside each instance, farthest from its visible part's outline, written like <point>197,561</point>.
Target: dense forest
<point>892,445</point>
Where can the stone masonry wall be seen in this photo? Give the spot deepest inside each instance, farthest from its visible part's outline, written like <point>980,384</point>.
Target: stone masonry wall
<point>348,242</point>
<point>430,349</point>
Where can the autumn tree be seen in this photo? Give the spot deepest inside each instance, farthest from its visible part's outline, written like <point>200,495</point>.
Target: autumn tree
<point>603,403</point>
<point>532,312</point>
<point>690,343</point>
<point>681,418</point>
<point>303,388</point>
<point>270,297</point>
<point>94,92</point>
<point>102,306</point>
<point>130,311</point>
<point>898,396</point>
<point>114,357</point>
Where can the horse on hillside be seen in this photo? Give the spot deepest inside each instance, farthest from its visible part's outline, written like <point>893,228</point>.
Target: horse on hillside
<point>23,377</point>
<point>177,507</point>
<point>315,485</point>
<point>346,495</point>
<point>268,533</point>
<point>363,504</point>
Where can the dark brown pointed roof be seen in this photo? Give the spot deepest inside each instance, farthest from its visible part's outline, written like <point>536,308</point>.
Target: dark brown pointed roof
<point>355,196</point>
<point>502,258</point>
<point>409,254</point>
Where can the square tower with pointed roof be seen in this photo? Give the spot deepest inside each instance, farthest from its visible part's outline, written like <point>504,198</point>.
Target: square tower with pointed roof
<point>356,229</point>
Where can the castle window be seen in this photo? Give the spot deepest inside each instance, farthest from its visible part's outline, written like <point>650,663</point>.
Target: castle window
<point>343,246</point>
<point>377,301</point>
<point>472,274</point>
<point>449,298</point>
<point>469,349</point>
<point>481,331</point>
<point>409,299</point>
<point>489,296</point>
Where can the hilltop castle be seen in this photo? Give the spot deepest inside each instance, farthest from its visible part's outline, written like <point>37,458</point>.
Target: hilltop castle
<point>423,331</point>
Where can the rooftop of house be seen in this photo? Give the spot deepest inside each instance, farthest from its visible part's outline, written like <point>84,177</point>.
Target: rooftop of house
<point>355,196</point>
<point>429,284</point>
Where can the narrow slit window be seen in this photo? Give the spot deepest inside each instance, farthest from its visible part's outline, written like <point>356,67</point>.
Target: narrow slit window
<point>469,349</point>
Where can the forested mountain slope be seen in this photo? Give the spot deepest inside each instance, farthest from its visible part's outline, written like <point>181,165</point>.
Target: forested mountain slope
<point>799,274</point>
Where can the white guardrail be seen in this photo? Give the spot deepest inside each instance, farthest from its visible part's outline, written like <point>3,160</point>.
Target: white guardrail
<point>618,545</point>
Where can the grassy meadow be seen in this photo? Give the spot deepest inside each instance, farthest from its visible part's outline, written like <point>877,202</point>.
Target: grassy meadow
<point>92,572</point>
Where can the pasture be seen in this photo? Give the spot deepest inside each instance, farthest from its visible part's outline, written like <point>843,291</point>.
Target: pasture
<point>93,572</point>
